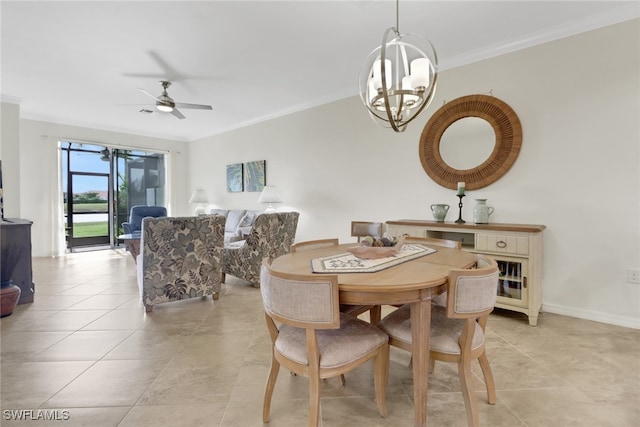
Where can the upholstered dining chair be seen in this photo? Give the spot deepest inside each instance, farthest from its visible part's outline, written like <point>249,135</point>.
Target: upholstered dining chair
<point>457,329</point>
<point>138,213</point>
<point>354,310</point>
<point>180,258</point>
<point>312,338</point>
<point>361,229</point>
<point>272,235</point>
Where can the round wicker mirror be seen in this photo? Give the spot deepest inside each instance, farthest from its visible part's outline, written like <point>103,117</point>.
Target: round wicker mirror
<point>505,124</point>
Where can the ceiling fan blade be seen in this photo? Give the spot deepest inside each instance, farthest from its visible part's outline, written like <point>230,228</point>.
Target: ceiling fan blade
<point>177,113</point>
<point>148,94</point>
<point>194,106</point>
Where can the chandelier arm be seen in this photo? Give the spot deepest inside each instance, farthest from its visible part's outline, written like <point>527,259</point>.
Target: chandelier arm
<point>385,89</point>
<point>405,60</point>
<point>398,17</point>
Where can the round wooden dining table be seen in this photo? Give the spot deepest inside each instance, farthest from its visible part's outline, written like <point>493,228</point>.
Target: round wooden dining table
<point>412,282</point>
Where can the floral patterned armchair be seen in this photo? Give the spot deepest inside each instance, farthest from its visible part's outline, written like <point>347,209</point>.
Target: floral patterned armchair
<point>272,235</point>
<point>180,258</point>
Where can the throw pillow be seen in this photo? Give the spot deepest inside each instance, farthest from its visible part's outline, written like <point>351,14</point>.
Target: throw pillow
<point>247,220</point>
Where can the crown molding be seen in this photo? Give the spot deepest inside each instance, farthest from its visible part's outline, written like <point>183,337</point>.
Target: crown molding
<point>616,16</point>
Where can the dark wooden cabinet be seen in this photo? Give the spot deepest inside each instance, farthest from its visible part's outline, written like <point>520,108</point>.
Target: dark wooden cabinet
<point>16,233</point>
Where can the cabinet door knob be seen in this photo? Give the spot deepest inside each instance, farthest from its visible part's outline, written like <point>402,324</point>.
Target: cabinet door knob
<point>501,244</point>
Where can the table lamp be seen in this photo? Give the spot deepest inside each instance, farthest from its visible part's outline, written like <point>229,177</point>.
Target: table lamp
<point>199,197</point>
<point>269,195</point>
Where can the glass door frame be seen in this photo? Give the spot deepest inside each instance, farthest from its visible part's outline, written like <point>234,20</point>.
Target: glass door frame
<point>92,240</point>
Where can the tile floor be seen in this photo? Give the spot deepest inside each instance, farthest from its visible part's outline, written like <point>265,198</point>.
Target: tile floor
<point>86,352</point>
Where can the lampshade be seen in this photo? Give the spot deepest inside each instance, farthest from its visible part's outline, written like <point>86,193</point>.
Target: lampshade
<point>398,79</point>
<point>269,195</point>
<point>198,196</point>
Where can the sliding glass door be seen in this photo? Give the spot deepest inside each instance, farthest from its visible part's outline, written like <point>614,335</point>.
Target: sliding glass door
<point>139,179</point>
<point>100,185</point>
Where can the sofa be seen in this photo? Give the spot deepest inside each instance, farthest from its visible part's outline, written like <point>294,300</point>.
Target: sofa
<point>238,223</point>
<point>180,258</point>
<point>272,235</point>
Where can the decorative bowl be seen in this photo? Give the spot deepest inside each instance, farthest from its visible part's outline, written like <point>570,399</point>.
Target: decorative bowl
<point>370,252</point>
<point>375,252</point>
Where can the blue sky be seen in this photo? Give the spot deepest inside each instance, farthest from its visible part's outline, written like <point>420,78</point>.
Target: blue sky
<point>87,162</point>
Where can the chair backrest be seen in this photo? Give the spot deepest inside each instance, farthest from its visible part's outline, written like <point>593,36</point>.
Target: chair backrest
<point>454,244</point>
<point>180,257</point>
<point>139,212</point>
<point>273,234</point>
<point>362,229</point>
<point>313,244</point>
<point>304,301</point>
<point>473,292</point>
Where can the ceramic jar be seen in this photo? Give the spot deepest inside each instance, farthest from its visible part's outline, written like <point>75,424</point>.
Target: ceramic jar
<point>439,211</point>
<point>481,212</point>
<point>9,295</point>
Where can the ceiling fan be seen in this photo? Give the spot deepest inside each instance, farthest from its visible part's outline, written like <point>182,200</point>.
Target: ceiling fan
<point>166,104</point>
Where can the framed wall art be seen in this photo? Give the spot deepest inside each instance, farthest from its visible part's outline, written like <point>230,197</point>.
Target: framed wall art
<point>255,175</point>
<point>234,178</point>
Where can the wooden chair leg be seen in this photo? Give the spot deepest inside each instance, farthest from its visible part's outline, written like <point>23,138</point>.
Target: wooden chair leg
<point>380,378</point>
<point>314,401</point>
<point>488,378</point>
<point>268,392</point>
<point>464,373</point>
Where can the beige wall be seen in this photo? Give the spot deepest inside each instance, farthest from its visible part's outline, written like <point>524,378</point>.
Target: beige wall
<point>578,170</point>
<point>10,156</point>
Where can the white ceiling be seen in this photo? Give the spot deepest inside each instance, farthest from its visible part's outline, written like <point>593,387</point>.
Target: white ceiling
<point>80,62</point>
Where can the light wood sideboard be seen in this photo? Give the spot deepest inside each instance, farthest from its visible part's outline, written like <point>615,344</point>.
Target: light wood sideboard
<point>516,247</point>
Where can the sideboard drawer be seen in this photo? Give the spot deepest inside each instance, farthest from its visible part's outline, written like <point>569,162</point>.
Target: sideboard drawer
<point>503,243</point>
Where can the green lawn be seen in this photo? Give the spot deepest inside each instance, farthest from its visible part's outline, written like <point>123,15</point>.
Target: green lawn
<point>90,229</point>
<point>89,207</point>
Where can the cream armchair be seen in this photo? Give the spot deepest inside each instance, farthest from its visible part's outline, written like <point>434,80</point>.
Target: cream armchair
<point>180,258</point>
<point>272,235</point>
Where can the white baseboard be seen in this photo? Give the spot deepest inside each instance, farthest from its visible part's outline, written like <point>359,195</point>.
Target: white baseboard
<point>596,316</point>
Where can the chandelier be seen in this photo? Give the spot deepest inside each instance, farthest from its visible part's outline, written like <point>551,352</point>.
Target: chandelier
<point>398,79</point>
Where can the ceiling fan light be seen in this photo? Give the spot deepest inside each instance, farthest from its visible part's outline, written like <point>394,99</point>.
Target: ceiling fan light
<point>164,108</point>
